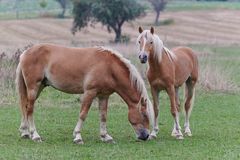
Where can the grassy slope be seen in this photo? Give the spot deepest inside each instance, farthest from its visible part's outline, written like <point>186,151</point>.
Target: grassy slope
<point>193,5</point>
<point>214,124</point>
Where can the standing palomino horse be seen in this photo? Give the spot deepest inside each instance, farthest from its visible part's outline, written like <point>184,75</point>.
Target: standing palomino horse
<point>168,70</point>
<point>95,72</point>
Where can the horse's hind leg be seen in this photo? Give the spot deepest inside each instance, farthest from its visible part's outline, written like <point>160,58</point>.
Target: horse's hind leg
<point>103,104</point>
<point>24,126</point>
<point>88,97</point>
<point>22,91</point>
<point>33,93</point>
<point>189,96</point>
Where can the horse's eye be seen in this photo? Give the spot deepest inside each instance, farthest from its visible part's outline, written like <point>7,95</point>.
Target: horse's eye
<point>151,42</point>
<point>144,114</point>
<point>139,42</point>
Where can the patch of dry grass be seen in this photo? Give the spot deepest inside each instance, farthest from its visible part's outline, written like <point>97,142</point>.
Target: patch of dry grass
<point>212,78</point>
<point>8,65</point>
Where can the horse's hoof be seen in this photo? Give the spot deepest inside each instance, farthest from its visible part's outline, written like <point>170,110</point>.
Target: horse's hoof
<point>189,134</point>
<point>78,141</point>
<point>111,141</point>
<point>37,139</point>
<point>107,139</point>
<point>180,137</point>
<point>152,136</point>
<point>174,134</point>
<point>25,136</point>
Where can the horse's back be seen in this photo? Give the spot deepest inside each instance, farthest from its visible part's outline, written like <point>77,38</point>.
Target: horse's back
<point>48,51</point>
<point>186,61</point>
<point>67,69</point>
<point>185,52</point>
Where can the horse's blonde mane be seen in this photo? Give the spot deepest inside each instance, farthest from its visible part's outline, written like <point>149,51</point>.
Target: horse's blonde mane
<point>158,46</point>
<point>135,78</point>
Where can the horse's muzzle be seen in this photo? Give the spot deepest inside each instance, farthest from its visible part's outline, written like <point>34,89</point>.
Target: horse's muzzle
<point>143,134</point>
<point>143,59</point>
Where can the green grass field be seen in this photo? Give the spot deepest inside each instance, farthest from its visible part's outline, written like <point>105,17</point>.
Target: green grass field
<point>203,5</point>
<point>214,122</point>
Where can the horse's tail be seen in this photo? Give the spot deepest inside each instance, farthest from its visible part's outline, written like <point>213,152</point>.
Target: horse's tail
<point>22,90</point>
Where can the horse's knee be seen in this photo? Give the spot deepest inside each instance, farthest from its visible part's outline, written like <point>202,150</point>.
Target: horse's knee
<point>31,100</point>
<point>103,117</point>
<point>156,110</point>
<point>29,110</point>
<point>83,115</point>
<point>178,107</point>
<point>32,94</point>
<point>187,104</point>
<point>174,111</point>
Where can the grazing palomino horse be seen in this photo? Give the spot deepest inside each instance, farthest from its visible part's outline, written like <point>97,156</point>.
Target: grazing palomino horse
<point>168,70</point>
<point>93,72</point>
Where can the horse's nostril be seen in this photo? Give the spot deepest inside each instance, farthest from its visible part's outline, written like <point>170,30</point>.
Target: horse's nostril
<point>139,56</point>
<point>143,135</point>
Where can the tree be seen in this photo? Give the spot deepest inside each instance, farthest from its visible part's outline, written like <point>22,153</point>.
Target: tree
<point>63,4</point>
<point>158,6</point>
<point>111,13</point>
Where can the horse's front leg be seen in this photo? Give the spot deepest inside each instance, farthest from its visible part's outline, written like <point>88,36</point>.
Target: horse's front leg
<point>175,113</point>
<point>155,96</point>
<point>24,128</point>
<point>103,104</point>
<point>87,101</point>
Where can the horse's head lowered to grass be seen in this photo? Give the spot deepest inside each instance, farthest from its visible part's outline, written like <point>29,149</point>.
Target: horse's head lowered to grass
<point>94,72</point>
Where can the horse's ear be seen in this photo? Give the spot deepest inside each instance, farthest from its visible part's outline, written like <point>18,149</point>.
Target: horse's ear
<point>140,29</point>
<point>152,30</point>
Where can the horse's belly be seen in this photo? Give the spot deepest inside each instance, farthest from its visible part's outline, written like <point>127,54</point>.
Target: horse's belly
<point>66,83</point>
<point>180,80</point>
<point>72,88</point>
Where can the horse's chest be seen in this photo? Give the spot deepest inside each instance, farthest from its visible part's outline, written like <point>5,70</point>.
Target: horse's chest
<point>159,81</point>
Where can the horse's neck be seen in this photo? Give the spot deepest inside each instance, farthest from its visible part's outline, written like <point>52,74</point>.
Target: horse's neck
<point>122,81</point>
<point>161,66</point>
<point>127,90</point>
<point>129,95</point>
<point>154,62</point>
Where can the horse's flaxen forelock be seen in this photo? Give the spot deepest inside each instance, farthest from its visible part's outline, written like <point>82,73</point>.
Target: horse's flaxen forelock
<point>136,80</point>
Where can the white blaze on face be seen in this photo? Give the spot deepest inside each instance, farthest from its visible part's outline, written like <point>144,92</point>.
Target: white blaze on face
<point>144,44</point>
<point>141,38</point>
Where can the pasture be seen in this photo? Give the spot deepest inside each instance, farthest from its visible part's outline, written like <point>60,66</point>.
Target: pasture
<point>214,34</point>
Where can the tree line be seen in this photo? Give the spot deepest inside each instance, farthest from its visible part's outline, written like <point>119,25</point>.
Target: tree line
<point>111,13</point>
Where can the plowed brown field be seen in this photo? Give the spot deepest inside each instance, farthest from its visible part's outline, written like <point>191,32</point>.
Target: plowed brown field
<point>220,27</point>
